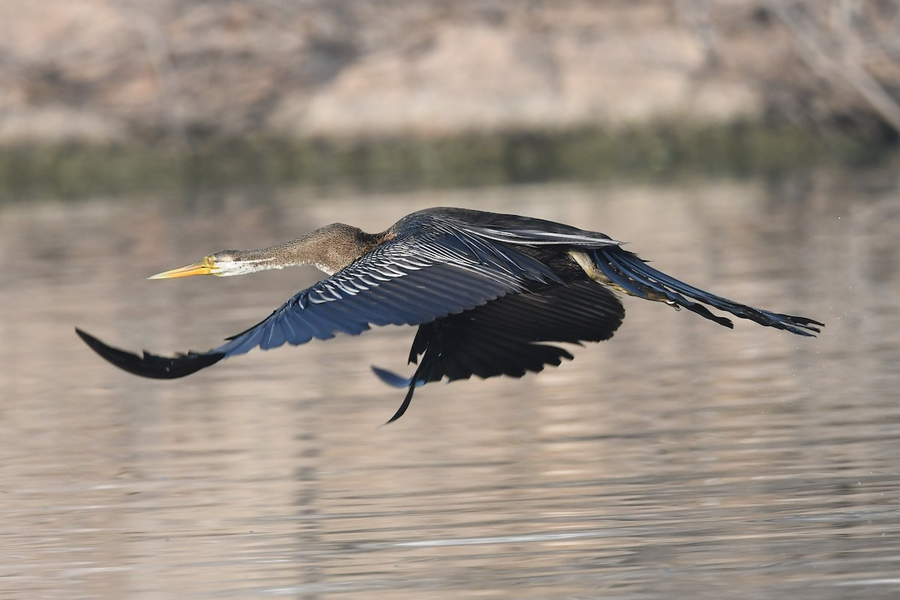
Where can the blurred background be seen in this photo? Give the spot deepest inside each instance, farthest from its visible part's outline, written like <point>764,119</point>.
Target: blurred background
<point>748,147</point>
<point>122,96</point>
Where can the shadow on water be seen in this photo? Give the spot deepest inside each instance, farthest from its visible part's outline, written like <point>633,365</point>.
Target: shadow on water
<point>679,458</point>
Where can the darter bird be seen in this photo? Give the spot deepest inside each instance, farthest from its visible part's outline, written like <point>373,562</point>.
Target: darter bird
<point>488,293</point>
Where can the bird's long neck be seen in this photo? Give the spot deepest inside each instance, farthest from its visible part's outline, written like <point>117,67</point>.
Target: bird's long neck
<point>330,249</point>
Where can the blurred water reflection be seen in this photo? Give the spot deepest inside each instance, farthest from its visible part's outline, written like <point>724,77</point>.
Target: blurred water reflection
<point>680,458</point>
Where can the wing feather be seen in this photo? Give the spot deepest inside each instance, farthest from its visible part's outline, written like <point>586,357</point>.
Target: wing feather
<point>508,336</point>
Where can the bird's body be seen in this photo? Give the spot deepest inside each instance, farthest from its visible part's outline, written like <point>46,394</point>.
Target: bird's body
<point>488,292</point>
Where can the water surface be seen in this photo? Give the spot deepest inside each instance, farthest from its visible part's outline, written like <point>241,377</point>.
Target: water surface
<point>678,459</point>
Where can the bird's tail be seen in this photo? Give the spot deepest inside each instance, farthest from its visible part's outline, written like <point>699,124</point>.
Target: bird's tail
<point>633,275</point>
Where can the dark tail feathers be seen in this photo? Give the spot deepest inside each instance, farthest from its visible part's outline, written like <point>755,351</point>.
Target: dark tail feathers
<point>633,275</point>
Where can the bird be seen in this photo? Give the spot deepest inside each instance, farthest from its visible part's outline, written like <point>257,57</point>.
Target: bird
<point>490,294</point>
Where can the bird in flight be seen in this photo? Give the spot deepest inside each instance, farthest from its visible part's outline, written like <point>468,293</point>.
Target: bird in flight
<point>488,292</point>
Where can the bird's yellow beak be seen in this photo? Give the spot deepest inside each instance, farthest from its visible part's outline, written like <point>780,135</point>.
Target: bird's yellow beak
<point>205,267</point>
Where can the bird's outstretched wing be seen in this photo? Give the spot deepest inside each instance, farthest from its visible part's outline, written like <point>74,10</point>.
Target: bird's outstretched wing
<point>407,280</point>
<point>507,336</point>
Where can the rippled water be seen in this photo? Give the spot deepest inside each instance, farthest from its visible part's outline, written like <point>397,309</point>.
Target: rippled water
<point>678,459</point>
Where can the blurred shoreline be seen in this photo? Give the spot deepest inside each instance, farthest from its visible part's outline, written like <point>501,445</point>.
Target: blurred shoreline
<point>104,71</point>
<point>657,152</point>
<point>98,96</point>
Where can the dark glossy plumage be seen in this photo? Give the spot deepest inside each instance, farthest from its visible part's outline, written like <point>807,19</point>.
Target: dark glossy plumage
<point>488,292</point>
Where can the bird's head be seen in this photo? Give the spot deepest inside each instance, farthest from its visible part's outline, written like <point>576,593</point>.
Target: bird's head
<point>329,248</point>
<point>221,264</point>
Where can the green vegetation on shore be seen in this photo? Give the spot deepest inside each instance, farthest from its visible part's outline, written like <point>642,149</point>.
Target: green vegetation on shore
<point>651,152</point>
